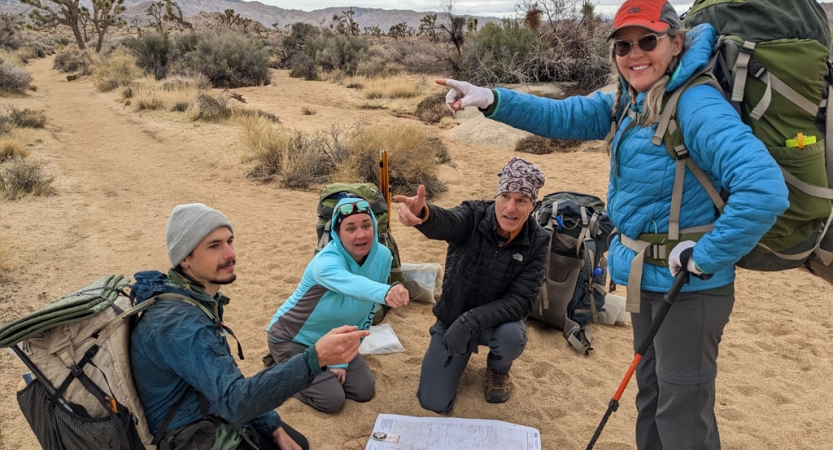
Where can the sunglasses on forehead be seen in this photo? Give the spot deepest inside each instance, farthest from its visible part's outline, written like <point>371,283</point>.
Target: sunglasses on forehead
<point>646,43</point>
<point>361,206</point>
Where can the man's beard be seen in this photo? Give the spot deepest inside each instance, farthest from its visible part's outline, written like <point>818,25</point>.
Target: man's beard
<point>228,280</point>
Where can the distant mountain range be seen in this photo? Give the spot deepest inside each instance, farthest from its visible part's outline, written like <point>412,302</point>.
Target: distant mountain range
<point>266,14</point>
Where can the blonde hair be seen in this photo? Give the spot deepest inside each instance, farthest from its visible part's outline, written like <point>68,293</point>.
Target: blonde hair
<point>653,100</point>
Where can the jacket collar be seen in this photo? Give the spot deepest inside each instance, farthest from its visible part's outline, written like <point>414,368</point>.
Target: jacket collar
<point>195,290</point>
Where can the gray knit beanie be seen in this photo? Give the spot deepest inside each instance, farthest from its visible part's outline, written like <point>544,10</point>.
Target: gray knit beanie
<point>188,225</point>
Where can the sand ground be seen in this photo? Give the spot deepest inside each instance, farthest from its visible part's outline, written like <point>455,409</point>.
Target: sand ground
<point>119,173</point>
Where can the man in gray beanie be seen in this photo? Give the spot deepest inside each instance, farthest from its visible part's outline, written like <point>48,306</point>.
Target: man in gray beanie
<point>184,371</point>
<point>493,271</point>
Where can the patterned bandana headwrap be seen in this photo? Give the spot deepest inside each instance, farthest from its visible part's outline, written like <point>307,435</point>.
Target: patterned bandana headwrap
<point>522,176</point>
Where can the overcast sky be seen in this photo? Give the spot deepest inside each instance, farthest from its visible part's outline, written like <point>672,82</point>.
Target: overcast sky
<point>499,8</point>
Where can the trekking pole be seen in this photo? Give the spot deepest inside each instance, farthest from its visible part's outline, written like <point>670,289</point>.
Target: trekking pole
<point>384,176</point>
<point>668,299</point>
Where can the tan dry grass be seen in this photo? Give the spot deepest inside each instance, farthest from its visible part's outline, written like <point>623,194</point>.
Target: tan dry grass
<point>412,153</point>
<point>260,138</point>
<point>149,94</point>
<point>390,88</point>
<point>114,72</point>
<point>11,148</point>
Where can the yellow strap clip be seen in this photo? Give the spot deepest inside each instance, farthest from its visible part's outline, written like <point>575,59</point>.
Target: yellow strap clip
<point>800,141</point>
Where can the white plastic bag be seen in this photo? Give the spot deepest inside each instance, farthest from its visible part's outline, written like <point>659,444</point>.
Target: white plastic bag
<point>423,281</point>
<point>614,311</point>
<point>382,340</point>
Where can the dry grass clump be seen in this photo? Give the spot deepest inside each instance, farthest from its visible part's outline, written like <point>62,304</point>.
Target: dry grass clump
<point>73,60</point>
<point>538,145</point>
<point>13,79</point>
<point>412,154</point>
<point>297,158</point>
<point>433,108</point>
<point>149,94</point>
<point>392,88</point>
<point>22,176</point>
<point>209,109</point>
<point>27,118</point>
<point>114,72</point>
<point>10,149</point>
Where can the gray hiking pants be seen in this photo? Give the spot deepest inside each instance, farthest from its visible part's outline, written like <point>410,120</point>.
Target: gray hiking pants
<point>326,393</point>
<point>675,402</point>
<point>438,383</point>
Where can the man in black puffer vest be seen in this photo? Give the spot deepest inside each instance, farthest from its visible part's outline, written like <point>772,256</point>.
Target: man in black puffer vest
<point>493,271</point>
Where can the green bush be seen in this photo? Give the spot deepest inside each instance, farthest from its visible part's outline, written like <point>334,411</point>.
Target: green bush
<point>151,52</point>
<point>229,60</point>
<point>303,66</point>
<point>296,41</point>
<point>13,78</point>
<point>502,53</point>
<point>337,52</point>
<point>72,60</point>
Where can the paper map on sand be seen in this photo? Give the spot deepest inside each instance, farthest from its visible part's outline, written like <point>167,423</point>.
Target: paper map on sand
<point>394,432</point>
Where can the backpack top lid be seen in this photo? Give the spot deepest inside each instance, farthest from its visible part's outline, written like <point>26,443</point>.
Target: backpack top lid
<point>81,305</point>
<point>753,21</point>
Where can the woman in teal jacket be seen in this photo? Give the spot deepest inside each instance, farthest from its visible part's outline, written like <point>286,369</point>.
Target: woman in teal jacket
<point>652,56</point>
<point>342,285</point>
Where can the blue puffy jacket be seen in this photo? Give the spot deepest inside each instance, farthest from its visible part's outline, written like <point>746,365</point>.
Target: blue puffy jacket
<point>642,174</point>
<point>175,345</point>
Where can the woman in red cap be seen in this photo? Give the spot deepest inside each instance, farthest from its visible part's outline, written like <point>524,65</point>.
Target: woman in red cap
<point>652,56</point>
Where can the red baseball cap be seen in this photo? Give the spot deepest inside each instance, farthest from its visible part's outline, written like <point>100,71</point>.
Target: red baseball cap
<point>656,15</point>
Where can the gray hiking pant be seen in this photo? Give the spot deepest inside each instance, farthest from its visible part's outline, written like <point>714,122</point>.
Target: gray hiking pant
<point>675,402</point>
<point>438,383</point>
<point>326,393</point>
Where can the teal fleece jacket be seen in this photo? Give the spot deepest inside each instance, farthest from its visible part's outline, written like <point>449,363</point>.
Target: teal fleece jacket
<point>335,290</point>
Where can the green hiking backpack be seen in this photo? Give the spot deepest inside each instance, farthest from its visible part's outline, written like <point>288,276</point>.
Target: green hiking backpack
<point>328,199</point>
<point>772,64</point>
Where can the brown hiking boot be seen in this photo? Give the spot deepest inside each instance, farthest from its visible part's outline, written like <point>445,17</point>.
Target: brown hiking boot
<point>498,387</point>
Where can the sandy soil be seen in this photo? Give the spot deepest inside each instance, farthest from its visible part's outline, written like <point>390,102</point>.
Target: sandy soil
<point>119,173</point>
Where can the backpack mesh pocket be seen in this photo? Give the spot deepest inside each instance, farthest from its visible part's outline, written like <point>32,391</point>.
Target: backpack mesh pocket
<point>59,429</point>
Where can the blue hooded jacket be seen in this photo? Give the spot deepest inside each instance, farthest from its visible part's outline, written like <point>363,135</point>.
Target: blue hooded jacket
<point>174,345</point>
<point>335,290</point>
<point>642,174</point>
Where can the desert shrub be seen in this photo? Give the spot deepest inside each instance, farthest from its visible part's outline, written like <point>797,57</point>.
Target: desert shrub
<point>22,176</point>
<point>73,60</point>
<point>302,66</point>
<point>114,72</point>
<point>24,54</point>
<point>296,41</point>
<point>377,67</point>
<point>433,108</point>
<point>412,156</point>
<point>10,148</point>
<point>209,109</point>
<point>591,74</point>
<point>229,60</point>
<point>502,53</point>
<point>538,145</point>
<point>151,52</point>
<point>390,88</point>
<point>423,57</point>
<point>13,78</point>
<point>185,82</point>
<point>9,31</point>
<point>307,111</point>
<point>337,52</point>
<point>302,162</point>
<point>6,125</point>
<point>27,118</point>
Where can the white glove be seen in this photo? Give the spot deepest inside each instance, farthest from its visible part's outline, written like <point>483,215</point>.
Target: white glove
<point>462,94</point>
<point>674,259</point>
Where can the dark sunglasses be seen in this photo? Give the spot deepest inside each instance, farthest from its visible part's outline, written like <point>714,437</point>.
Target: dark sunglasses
<point>646,43</point>
<point>347,209</point>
